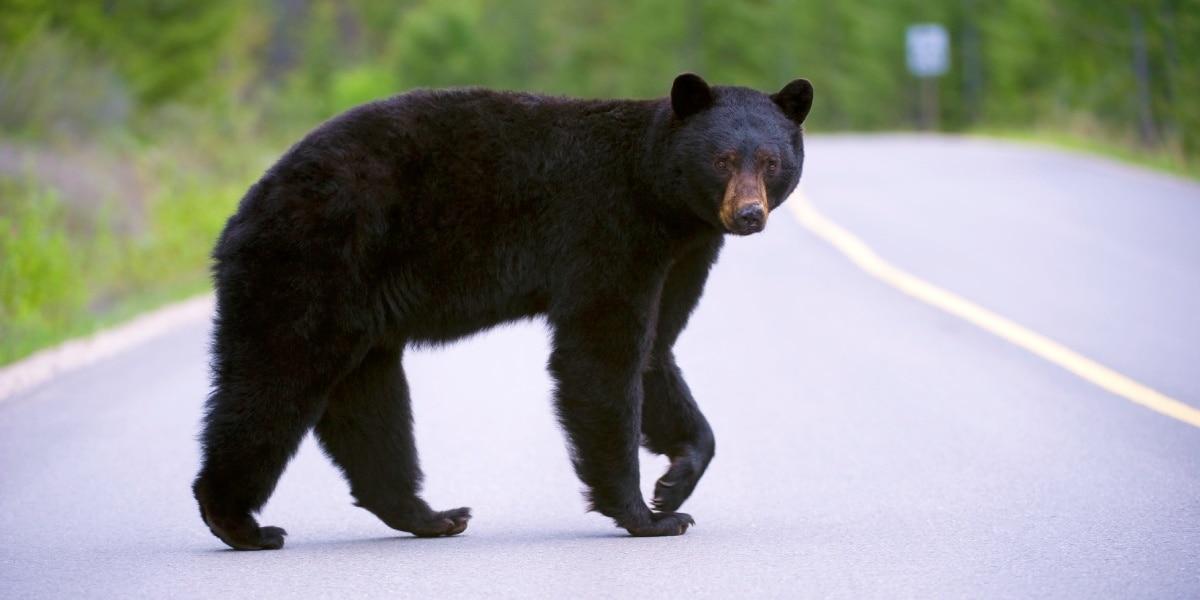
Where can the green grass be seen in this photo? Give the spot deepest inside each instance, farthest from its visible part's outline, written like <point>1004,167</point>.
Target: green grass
<point>61,278</point>
<point>41,274</point>
<point>29,337</point>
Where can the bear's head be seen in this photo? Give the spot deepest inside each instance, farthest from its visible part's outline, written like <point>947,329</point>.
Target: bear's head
<point>734,153</point>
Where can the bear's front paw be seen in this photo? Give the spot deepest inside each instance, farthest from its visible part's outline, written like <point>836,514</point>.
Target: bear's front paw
<point>679,481</point>
<point>662,523</point>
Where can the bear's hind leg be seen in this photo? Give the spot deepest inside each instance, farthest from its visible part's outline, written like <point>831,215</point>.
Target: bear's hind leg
<point>250,433</point>
<point>367,431</point>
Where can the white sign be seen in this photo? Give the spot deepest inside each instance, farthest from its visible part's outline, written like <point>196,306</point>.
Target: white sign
<point>927,48</point>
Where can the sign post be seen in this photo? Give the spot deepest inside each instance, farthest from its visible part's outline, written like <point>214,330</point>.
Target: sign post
<point>927,53</point>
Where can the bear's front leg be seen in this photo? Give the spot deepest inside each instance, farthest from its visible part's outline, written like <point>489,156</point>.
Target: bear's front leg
<point>671,421</point>
<point>674,426</point>
<point>599,354</point>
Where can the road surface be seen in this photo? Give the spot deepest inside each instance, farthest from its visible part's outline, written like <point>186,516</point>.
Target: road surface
<point>869,445</point>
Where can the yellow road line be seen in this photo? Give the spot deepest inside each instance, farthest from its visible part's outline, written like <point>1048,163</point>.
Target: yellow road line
<point>862,255</point>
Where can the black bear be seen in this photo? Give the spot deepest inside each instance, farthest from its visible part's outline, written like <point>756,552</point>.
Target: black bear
<point>435,214</point>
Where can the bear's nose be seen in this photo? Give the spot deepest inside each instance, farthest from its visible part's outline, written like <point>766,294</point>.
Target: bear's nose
<point>749,218</point>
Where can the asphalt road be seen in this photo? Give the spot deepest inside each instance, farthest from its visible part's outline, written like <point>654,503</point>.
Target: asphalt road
<point>869,445</point>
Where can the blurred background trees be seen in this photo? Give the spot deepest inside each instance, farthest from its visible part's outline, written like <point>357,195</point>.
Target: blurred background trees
<point>1124,67</point>
<point>129,128</point>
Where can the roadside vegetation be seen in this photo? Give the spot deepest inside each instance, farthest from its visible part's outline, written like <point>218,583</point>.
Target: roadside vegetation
<point>128,130</point>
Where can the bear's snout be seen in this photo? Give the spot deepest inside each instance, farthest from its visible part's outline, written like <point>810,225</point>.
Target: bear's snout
<point>744,208</point>
<point>744,216</point>
<point>749,218</point>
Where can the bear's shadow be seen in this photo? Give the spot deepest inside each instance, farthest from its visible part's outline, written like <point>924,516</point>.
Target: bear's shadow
<point>505,540</point>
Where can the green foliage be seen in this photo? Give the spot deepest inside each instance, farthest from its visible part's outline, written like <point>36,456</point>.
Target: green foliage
<point>163,48</point>
<point>49,86</point>
<point>63,273</point>
<point>40,276</point>
<point>182,230</point>
<point>1031,62</point>
<point>453,31</point>
<point>361,84</point>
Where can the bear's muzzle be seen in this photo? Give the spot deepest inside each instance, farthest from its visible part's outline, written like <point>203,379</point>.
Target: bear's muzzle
<point>744,209</point>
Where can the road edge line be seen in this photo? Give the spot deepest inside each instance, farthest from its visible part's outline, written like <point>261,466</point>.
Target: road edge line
<point>865,258</point>
<point>44,365</point>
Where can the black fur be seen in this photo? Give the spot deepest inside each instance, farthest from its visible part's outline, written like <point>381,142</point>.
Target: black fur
<point>436,214</point>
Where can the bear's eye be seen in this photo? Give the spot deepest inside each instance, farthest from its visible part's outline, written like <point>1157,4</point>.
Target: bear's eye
<point>772,165</point>
<point>720,164</point>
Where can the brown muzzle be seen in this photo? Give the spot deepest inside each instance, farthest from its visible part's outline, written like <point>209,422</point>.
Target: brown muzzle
<point>744,209</point>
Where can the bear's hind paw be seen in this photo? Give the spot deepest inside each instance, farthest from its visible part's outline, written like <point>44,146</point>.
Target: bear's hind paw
<point>245,534</point>
<point>661,524</point>
<point>437,524</point>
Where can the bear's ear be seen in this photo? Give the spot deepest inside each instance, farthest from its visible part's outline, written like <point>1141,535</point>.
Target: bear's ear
<point>795,99</point>
<point>689,95</point>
